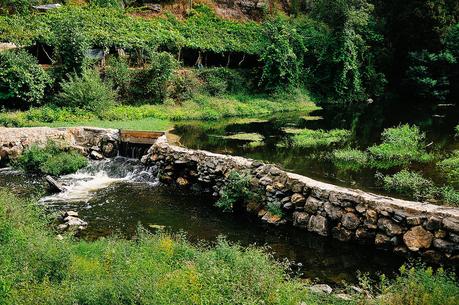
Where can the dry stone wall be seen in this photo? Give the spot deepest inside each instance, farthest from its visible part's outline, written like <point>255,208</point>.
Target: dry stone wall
<point>345,214</point>
<point>85,139</point>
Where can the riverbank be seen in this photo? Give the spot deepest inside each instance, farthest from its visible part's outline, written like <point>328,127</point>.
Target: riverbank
<point>160,116</point>
<point>164,269</point>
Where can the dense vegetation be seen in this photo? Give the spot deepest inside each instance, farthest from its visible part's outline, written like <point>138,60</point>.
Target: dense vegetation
<point>52,159</point>
<point>165,269</point>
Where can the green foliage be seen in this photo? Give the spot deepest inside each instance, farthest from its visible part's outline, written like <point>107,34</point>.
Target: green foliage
<point>152,82</point>
<point>410,184</point>
<point>283,56</point>
<point>184,85</point>
<point>349,159</point>
<point>429,74</point>
<point>452,40</point>
<point>152,269</point>
<point>275,208</point>
<point>50,159</point>
<point>420,285</point>
<point>117,73</point>
<point>235,191</point>
<point>86,92</point>
<point>400,146</point>
<point>449,195</point>
<point>450,168</point>
<point>219,80</point>
<point>22,81</point>
<point>108,3</point>
<point>15,6</point>
<point>308,138</point>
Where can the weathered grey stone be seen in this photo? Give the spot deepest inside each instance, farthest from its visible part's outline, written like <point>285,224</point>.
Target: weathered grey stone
<point>71,213</point>
<point>389,227</point>
<point>362,234</point>
<point>382,240</point>
<point>300,219</point>
<point>371,216</point>
<point>414,220</point>
<point>454,237</point>
<point>312,205</point>
<point>333,212</point>
<point>433,223</point>
<point>96,155</point>
<point>417,238</point>
<point>350,221</point>
<point>297,199</point>
<point>445,246</point>
<point>451,224</point>
<point>297,188</point>
<point>360,208</point>
<point>318,224</point>
<point>321,288</point>
<point>341,234</point>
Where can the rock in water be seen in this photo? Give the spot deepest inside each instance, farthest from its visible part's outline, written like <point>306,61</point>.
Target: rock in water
<point>54,185</point>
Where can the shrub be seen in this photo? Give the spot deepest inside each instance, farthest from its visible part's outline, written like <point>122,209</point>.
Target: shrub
<point>219,80</point>
<point>151,83</point>
<point>86,92</point>
<point>22,81</point>
<point>449,195</point>
<point>410,184</point>
<point>119,76</point>
<point>184,85</point>
<point>236,190</point>
<point>348,158</point>
<point>420,285</point>
<point>15,6</point>
<point>450,167</point>
<point>400,146</point>
<point>50,159</point>
<point>108,3</point>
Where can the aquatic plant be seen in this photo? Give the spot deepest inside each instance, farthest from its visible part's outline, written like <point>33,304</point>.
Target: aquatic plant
<point>308,138</point>
<point>349,159</point>
<point>409,183</point>
<point>400,146</point>
<point>450,168</point>
<point>50,159</point>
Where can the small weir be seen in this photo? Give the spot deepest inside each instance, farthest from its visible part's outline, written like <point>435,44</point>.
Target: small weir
<point>135,144</point>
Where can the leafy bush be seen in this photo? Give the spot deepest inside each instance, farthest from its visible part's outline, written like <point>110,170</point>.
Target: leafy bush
<point>184,85</point>
<point>117,73</point>
<point>400,147</point>
<point>410,184</point>
<point>86,92</point>
<point>450,168</point>
<point>236,190</point>
<point>348,158</point>
<point>151,83</point>
<point>283,56</point>
<point>219,80</point>
<point>420,285</point>
<point>50,159</point>
<point>308,138</point>
<point>15,6</point>
<point>22,81</point>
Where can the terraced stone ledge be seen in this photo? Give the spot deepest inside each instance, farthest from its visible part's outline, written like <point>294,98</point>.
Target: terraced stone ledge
<point>402,226</point>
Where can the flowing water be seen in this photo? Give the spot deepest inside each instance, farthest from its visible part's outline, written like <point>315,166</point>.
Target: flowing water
<point>117,196</point>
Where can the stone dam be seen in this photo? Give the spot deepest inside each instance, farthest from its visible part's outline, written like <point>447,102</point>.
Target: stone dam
<point>349,215</point>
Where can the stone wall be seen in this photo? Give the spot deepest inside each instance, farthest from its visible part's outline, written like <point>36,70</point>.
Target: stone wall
<point>88,140</point>
<point>345,214</point>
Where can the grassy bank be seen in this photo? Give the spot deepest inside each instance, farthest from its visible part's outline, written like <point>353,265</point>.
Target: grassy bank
<point>37,268</point>
<point>159,116</point>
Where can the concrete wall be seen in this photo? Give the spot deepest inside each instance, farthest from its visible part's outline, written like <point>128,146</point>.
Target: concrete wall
<point>345,214</point>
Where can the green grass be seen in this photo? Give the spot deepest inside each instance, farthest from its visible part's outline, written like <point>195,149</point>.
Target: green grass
<point>141,124</point>
<point>159,116</point>
<point>152,269</point>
